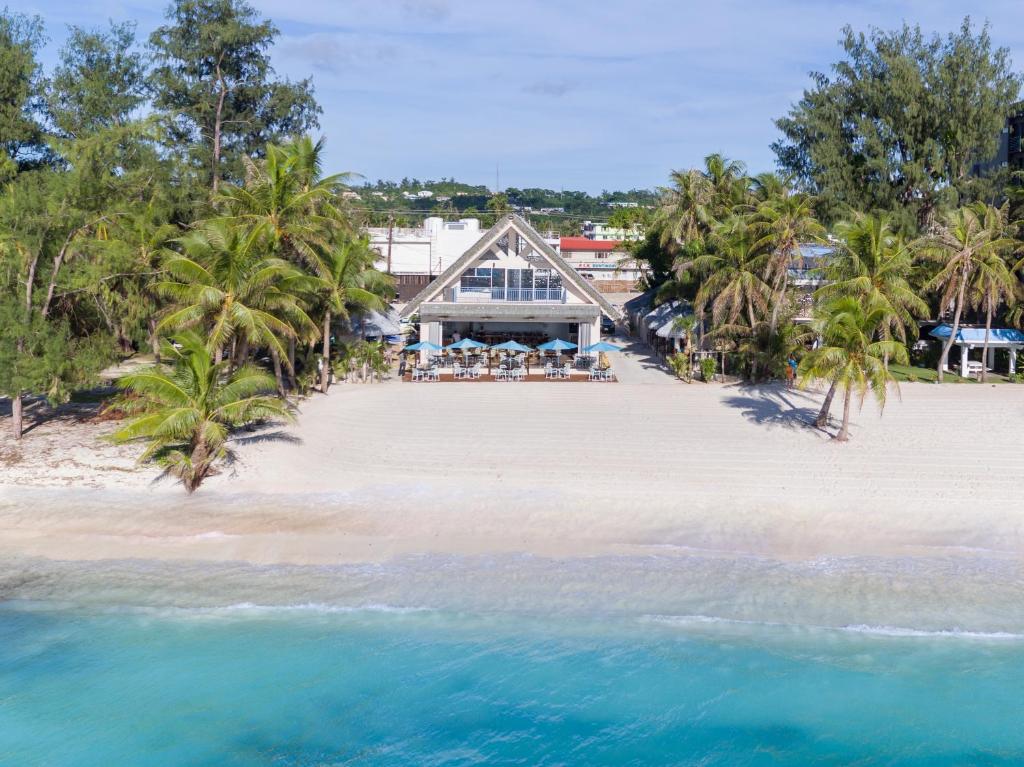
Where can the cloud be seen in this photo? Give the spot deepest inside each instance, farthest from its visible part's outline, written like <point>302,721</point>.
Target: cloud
<point>334,54</point>
<point>427,10</point>
<point>552,88</point>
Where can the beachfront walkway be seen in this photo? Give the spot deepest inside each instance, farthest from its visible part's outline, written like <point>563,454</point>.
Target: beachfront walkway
<point>637,364</point>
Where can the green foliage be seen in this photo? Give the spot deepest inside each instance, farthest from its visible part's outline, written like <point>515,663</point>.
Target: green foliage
<point>99,82</point>
<point>680,365</point>
<point>900,123</point>
<point>187,410</point>
<point>850,354</point>
<point>213,79</point>
<point>21,136</point>
<point>708,366</point>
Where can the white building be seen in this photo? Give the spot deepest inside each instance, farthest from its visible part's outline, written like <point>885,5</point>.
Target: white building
<point>510,283</point>
<point>416,256</point>
<point>598,230</point>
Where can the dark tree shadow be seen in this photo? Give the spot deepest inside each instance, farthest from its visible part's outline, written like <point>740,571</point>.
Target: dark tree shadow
<point>775,405</point>
<point>38,412</point>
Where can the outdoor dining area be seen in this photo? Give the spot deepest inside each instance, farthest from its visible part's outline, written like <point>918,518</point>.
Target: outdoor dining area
<point>510,361</point>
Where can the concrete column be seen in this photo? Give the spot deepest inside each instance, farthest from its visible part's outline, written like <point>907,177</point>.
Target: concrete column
<point>964,354</point>
<point>991,364</point>
<point>1013,359</point>
<point>429,331</point>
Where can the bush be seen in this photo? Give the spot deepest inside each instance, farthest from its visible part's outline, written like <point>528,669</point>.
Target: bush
<point>707,369</point>
<point>680,364</point>
<point>911,378</point>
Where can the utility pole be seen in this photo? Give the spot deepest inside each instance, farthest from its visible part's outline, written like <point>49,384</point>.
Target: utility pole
<point>391,231</point>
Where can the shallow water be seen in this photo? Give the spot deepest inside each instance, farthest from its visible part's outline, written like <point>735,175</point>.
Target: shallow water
<point>679,659</point>
<point>258,686</point>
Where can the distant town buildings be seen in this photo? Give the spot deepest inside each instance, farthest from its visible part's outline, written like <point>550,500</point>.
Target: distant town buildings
<point>596,230</point>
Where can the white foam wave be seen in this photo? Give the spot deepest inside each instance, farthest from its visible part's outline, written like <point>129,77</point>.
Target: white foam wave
<point>869,630</point>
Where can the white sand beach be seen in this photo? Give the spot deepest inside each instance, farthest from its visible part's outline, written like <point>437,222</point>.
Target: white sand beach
<point>374,471</point>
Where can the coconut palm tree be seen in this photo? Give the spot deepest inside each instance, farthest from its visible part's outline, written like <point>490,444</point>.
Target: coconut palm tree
<point>851,354</point>
<point>732,282</point>
<point>350,282</point>
<point>222,281</point>
<point>186,410</point>
<point>285,200</point>
<point>872,261</point>
<point>782,224</point>
<point>993,284</point>
<point>698,199</point>
<point>964,238</point>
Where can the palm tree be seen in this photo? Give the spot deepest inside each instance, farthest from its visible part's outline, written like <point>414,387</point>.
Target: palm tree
<point>187,410</point>
<point>350,282</point>
<point>222,282</point>
<point>286,201</point>
<point>698,199</point>
<point>993,284</point>
<point>873,262</point>
<point>732,275</point>
<point>964,238</point>
<point>782,224</point>
<point>851,355</point>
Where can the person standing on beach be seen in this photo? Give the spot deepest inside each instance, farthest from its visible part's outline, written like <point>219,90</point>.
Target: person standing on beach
<point>790,371</point>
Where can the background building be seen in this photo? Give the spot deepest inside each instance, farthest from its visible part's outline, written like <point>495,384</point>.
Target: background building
<point>605,263</point>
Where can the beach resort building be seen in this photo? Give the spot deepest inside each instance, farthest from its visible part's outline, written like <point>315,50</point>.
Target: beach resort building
<point>510,284</point>
<point>416,255</point>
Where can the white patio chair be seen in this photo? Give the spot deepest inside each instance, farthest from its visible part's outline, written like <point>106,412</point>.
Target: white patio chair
<point>417,374</point>
<point>519,374</point>
<point>501,374</point>
<point>566,371</point>
<point>458,371</point>
<point>434,374</point>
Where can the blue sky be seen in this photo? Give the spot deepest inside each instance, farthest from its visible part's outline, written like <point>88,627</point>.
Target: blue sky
<point>567,94</point>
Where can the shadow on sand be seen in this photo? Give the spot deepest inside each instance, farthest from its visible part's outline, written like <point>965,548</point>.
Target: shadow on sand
<point>775,405</point>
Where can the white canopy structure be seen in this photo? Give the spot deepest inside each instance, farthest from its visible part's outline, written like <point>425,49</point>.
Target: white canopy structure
<point>974,338</point>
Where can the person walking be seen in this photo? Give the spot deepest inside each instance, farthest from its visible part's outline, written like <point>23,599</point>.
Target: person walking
<point>791,365</point>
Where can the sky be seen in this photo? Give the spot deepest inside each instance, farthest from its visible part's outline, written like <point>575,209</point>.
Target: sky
<point>561,94</point>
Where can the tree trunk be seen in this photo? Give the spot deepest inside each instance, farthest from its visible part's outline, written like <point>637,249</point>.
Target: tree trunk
<point>291,364</point>
<point>822,420</point>
<point>984,348</point>
<point>200,459</point>
<point>154,339</point>
<point>944,359</point>
<point>779,299</point>
<point>844,430</point>
<point>17,415</point>
<point>218,124</point>
<point>325,370</point>
<point>278,377</point>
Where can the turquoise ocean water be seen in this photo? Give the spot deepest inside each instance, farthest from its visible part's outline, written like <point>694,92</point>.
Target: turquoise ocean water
<point>513,661</point>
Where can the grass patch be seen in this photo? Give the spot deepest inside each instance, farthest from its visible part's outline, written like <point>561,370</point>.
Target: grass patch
<point>929,375</point>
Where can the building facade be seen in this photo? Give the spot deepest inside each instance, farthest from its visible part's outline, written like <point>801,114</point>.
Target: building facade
<point>510,284</point>
<point>604,263</point>
<point>415,256</point>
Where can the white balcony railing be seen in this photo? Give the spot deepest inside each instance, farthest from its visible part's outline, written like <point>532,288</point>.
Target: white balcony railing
<point>512,295</point>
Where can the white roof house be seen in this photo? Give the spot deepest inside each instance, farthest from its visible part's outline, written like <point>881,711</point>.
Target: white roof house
<point>510,284</point>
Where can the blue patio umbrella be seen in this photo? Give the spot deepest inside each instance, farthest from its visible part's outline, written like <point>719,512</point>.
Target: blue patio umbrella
<point>423,346</point>
<point>602,346</point>
<point>466,344</point>
<point>558,345</point>
<point>512,346</point>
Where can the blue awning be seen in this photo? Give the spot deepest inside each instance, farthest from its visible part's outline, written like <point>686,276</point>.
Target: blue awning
<point>996,336</point>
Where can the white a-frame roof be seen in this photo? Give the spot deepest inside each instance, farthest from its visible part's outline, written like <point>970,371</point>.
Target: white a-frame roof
<point>521,234</point>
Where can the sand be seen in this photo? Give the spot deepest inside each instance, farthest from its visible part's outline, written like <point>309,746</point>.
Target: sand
<point>372,472</point>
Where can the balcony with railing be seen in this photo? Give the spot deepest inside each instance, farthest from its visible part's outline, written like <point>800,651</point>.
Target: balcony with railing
<point>486,295</point>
